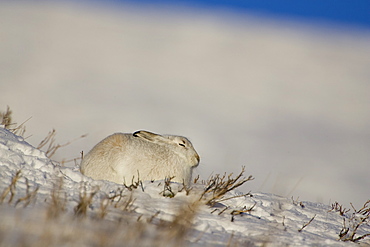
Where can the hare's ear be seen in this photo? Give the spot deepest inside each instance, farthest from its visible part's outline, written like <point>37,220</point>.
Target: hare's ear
<point>149,136</point>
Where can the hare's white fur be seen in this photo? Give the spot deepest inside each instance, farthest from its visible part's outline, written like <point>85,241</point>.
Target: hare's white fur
<point>123,158</point>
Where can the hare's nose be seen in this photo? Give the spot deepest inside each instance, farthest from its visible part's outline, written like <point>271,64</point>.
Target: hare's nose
<point>197,157</point>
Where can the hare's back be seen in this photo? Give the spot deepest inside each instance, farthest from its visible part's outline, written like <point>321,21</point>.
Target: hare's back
<point>110,144</point>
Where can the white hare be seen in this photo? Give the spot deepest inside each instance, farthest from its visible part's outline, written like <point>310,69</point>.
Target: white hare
<point>123,158</point>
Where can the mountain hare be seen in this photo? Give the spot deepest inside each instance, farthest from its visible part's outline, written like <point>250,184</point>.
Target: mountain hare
<point>123,158</point>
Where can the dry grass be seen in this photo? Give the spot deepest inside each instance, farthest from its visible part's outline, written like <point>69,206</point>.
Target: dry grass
<point>57,202</point>
<point>6,119</point>
<point>167,189</point>
<point>50,147</point>
<point>120,200</point>
<point>353,223</point>
<point>48,144</point>
<point>306,224</point>
<point>365,210</point>
<point>29,197</point>
<point>92,227</point>
<point>85,201</point>
<point>358,218</point>
<point>296,202</point>
<point>135,183</point>
<point>89,228</point>
<point>174,232</point>
<point>336,207</point>
<point>127,228</point>
<point>11,189</point>
<point>217,187</point>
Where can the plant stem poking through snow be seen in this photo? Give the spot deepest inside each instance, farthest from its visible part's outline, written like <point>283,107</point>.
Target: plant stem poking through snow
<point>365,210</point>
<point>297,202</point>
<point>7,121</point>
<point>135,184</point>
<point>11,188</point>
<point>242,211</point>
<point>217,187</point>
<point>58,200</point>
<point>49,141</point>
<point>6,118</point>
<point>338,208</point>
<point>167,190</point>
<point>117,200</point>
<point>306,224</point>
<point>358,218</point>
<point>29,197</point>
<point>85,201</point>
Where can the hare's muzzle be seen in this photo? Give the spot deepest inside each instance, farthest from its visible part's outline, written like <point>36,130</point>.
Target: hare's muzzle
<point>197,159</point>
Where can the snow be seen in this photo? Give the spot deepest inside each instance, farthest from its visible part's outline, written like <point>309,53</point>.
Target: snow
<point>140,218</point>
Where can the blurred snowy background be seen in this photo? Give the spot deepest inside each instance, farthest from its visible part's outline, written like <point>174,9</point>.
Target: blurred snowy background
<point>289,98</point>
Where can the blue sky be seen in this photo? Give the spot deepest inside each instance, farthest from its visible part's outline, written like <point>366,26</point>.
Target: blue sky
<point>352,13</point>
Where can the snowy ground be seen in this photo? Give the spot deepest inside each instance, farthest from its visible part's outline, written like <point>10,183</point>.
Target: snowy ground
<point>143,216</point>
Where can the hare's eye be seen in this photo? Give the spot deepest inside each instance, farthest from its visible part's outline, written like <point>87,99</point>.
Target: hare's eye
<point>182,143</point>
